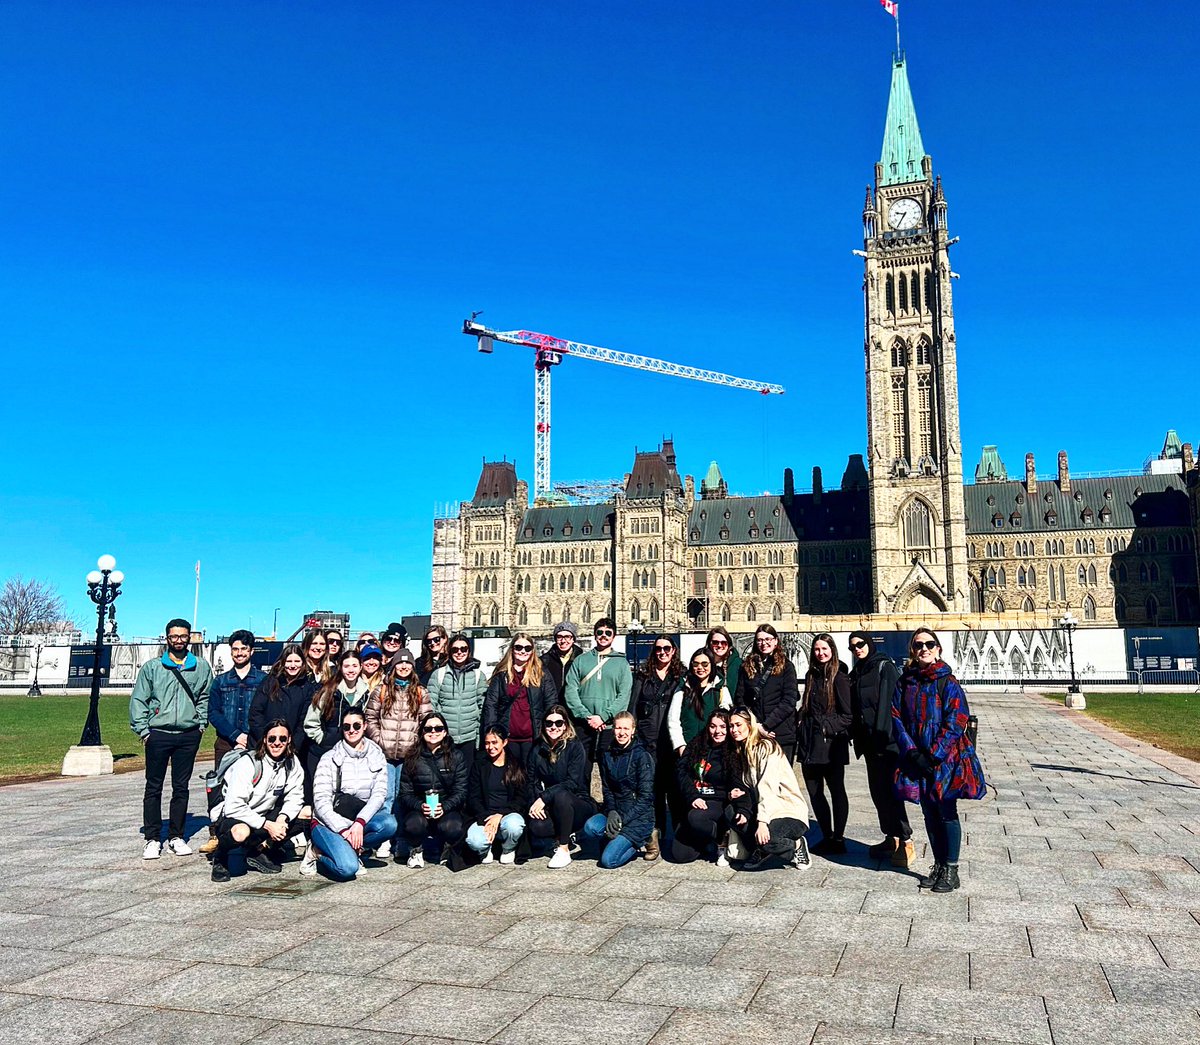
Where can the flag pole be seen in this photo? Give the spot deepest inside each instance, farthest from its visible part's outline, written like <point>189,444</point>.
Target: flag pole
<point>898,51</point>
<point>196,604</point>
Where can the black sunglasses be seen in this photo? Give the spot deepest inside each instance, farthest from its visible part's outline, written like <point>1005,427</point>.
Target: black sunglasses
<point>460,649</point>
<point>434,729</point>
<point>555,722</point>
<point>858,645</point>
<point>282,739</point>
<point>603,631</point>
<point>523,649</point>
<point>663,649</point>
<point>352,727</point>
<point>927,644</point>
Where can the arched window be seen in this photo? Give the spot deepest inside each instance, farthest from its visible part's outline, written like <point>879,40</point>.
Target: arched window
<point>654,578</point>
<point>585,614</point>
<point>897,350</point>
<point>725,615</point>
<point>1082,573</point>
<point>1089,608</point>
<point>654,609</point>
<point>635,610</point>
<point>1027,605</point>
<point>1032,575</point>
<point>997,605</point>
<point>917,523</point>
<point>751,613</point>
<point>903,293</point>
<point>546,615</point>
<point>606,582</point>
<point>1153,571</point>
<point>1143,573</point>
<point>891,297</point>
<point>776,612</point>
<point>477,617</point>
<point>1151,610</point>
<point>914,293</point>
<point>1119,608</point>
<point>494,615</point>
<point>1003,578</point>
<point>1092,574</point>
<point>523,615</point>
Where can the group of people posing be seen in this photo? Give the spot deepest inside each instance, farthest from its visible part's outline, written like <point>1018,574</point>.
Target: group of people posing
<point>355,755</point>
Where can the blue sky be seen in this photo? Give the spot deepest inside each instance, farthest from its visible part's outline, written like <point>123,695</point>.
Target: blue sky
<point>240,239</point>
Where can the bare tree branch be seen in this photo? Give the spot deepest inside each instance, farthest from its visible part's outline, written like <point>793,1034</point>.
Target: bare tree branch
<point>29,607</point>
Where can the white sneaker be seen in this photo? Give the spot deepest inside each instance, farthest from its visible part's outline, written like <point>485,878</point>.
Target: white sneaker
<point>308,866</point>
<point>178,847</point>
<point>561,858</point>
<point>801,861</point>
<point>722,859</point>
<point>489,857</point>
<point>299,845</point>
<point>362,868</point>
<point>573,846</point>
<point>152,851</point>
<point>384,852</point>
<point>509,856</point>
<point>416,858</point>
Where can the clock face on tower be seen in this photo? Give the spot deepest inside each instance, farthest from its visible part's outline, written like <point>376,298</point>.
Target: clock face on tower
<point>904,214</point>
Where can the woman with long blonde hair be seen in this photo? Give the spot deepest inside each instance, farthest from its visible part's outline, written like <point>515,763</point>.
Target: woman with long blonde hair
<point>517,696</point>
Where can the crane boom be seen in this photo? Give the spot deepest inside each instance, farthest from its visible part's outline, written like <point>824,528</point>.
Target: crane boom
<point>550,352</point>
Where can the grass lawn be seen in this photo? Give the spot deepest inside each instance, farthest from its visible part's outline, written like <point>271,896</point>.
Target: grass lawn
<point>1169,720</point>
<point>35,733</point>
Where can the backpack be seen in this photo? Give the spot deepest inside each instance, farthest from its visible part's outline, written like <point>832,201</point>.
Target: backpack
<point>972,730</point>
<point>214,779</point>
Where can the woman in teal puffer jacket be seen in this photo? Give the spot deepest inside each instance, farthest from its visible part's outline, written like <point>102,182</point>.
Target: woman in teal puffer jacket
<point>456,691</point>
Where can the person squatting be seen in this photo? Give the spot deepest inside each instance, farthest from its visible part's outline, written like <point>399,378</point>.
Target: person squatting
<point>346,757</point>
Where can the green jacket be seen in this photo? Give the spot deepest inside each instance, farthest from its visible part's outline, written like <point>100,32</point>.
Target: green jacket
<point>602,692</point>
<point>159,700</point>
<point>458,697</point>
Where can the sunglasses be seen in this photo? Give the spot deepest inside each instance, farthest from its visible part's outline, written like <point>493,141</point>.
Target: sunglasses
<point>715,643</point>
<point>858,645</point>
<point>765,641</point>
<point>603,631</point>
<point>663,649</point>
<point>460,649</point>
<point>552,723</point>
<point>523,649</point>
<point>391,640</point>
<point>927,644</point>
<point>351,727</point>
<point>434,729</point>
<point>281,739</point>
<point>335,642</point>
<point>432,640</point>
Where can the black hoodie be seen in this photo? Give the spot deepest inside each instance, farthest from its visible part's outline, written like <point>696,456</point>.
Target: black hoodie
<point>872,682</point>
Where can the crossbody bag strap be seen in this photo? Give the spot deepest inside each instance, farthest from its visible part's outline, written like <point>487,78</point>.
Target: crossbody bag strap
<point>184,683</point>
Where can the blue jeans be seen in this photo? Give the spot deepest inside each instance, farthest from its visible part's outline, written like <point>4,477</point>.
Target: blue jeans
<point>335,855</point>
<point>509,831</point>
<point>391,803</point>
<point>617,852</point>
<point>943,828</point>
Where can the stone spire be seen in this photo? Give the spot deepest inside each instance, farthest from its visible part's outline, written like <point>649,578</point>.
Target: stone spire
<point>902,149</point>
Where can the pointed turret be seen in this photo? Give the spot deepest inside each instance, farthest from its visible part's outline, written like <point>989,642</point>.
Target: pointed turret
<point>902,149</point>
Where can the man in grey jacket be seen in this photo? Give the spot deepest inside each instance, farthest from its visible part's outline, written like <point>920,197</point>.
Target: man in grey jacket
<point>168,709</point>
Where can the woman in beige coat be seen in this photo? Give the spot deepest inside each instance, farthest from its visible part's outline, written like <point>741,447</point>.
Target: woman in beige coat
<point>769,814</point>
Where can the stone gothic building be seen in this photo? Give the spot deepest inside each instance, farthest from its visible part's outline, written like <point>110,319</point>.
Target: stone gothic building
<point>901,539</point>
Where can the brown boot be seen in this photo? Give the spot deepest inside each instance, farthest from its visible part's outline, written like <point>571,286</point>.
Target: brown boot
<point>904,855</point>
<point>210,846</point>
<point>652,851</point>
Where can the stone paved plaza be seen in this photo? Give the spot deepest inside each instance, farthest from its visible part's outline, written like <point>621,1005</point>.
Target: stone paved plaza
<point>1077,922</point>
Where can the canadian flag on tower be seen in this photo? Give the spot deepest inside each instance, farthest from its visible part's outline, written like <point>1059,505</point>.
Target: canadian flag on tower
<point>891,7</point>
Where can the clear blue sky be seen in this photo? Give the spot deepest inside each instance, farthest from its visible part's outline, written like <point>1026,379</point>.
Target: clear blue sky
<point>240,238</point>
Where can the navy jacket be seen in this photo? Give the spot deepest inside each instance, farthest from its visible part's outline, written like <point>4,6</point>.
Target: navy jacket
<point>229,700</point>
<point>627,775</point>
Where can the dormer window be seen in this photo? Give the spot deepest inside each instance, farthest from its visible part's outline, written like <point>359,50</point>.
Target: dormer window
<point>528,531</point>
<point>727,514</point>
<point>1020,498</point>
<point>1086,515</point>
<point>724,533</point>
<point>547,531</point>
<point>587,528</point>
<point>768,530</point>
<point>695,535</point>
<point>1078,496</point>
<point>991,501</point>
<point>1052,518</point>
<point>567,529</point>
<point>753,531</point>
<point>750,512</point>
<point>1014,520</point>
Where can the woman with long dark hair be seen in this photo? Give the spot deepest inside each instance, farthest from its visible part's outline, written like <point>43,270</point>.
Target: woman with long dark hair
<point>497,797</point>
<point>316,655</point>
<point>456,690</point>
<point>767,686</point>
<point>938,764</point>
<point>433,652</point>
<point>560,781</point>
<point>654,687</point>
<point>700,695</point>
<point>704,772</point>
<point>433,792</point>
<point>769,816</point>
<point>517,696</point>
<point>727,662</point>
<point>823,742</point>
<point>345,688</point>
<point>285,693</point>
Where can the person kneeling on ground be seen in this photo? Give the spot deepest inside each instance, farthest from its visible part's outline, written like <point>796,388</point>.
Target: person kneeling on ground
<point>433,791</point>
<point>349,789</point>
<point>560,777</point>
<point>627,776</point>
<point>496,796</point>
<point>704,784</point>
<point>769,812</point>
<point>264,791</point>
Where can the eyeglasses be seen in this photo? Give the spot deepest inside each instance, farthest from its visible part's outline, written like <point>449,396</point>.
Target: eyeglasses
<point>351,727</point>
<point>460,649</point>
<point>663,649</point>
<point>554,723</point>
<point>523,649</point>
<point>564,635</point>
<point>281,739</point>
<point>858,645</point>
<point>927,644</point>
<point>766,640</point>
<point>430,730</point>
<point>603,631</point>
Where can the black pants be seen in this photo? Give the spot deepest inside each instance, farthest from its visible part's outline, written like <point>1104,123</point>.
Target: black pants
<point>881,776</point>
<point>257,839</point>
<point>594,743</point>
<point>179,749</point>
<point>832,776</point>
<point>789,752</point>
<point>447,829</point>
<point>667,798</point>
<point>519,749</point>
<point>566,813</point>
<point>784,832</point>
<point>698,830</point>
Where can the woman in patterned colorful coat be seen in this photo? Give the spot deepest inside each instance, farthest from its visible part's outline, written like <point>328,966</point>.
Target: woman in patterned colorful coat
<point>938,764</point>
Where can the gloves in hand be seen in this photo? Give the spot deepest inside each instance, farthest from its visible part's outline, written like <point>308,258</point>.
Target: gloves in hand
<point>613,825</point>
<point>921,765</point>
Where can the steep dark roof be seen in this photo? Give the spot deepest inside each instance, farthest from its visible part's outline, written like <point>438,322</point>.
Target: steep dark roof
<point>497,484</point>
<point>567,522</point>
<point>654,473</point>
<point>1130,500</point>
<point>840,515</point>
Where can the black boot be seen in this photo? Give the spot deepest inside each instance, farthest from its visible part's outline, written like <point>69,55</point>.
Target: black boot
<point>935,875</point>
<point>220,873</point>
<point>949,880</point>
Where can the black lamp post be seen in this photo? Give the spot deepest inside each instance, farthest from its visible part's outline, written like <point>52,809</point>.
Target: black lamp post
<point>35,690</point>
<point>104,587</point>
<point>1069,624</point>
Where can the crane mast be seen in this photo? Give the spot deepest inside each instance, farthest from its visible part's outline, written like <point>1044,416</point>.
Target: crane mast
<point>549,352</point>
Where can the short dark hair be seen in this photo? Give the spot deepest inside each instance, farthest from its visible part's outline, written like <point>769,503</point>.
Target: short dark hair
<point>179,622</point>
<point>604,622</point>
<point>243,636</point>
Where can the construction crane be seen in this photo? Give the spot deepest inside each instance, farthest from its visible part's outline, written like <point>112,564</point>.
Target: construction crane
<point>550,352</point>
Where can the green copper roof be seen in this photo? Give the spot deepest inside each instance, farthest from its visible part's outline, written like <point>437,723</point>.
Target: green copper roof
<point>712,478</point>
<point>1172,447</point>
<point>990,467</point>
<point>902,148</point>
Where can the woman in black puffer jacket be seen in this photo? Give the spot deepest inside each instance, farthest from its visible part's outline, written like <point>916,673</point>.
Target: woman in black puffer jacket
<point>767,686</point>
<point>704,784</point>
<point>823,745</point>
<point>560,782</point>
<point>433,791</point>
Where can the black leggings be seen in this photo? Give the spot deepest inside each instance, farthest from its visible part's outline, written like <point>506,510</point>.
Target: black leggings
<point>256,840</point>
<point>447,829</point>
<point>833,776</point>
<point>699,830</point>
<point>566,813</point>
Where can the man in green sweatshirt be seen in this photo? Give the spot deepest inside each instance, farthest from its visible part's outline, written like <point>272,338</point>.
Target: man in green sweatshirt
<point>597,686</point>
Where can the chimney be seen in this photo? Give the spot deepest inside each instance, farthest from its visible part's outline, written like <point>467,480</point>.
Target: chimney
<point>1189,458</point>
<point>1064,473</point>
<point>789,488</point>
<point>817,485</point>
<point>689,488</point>
<point>1030,476</point>
<point>668,452</point>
